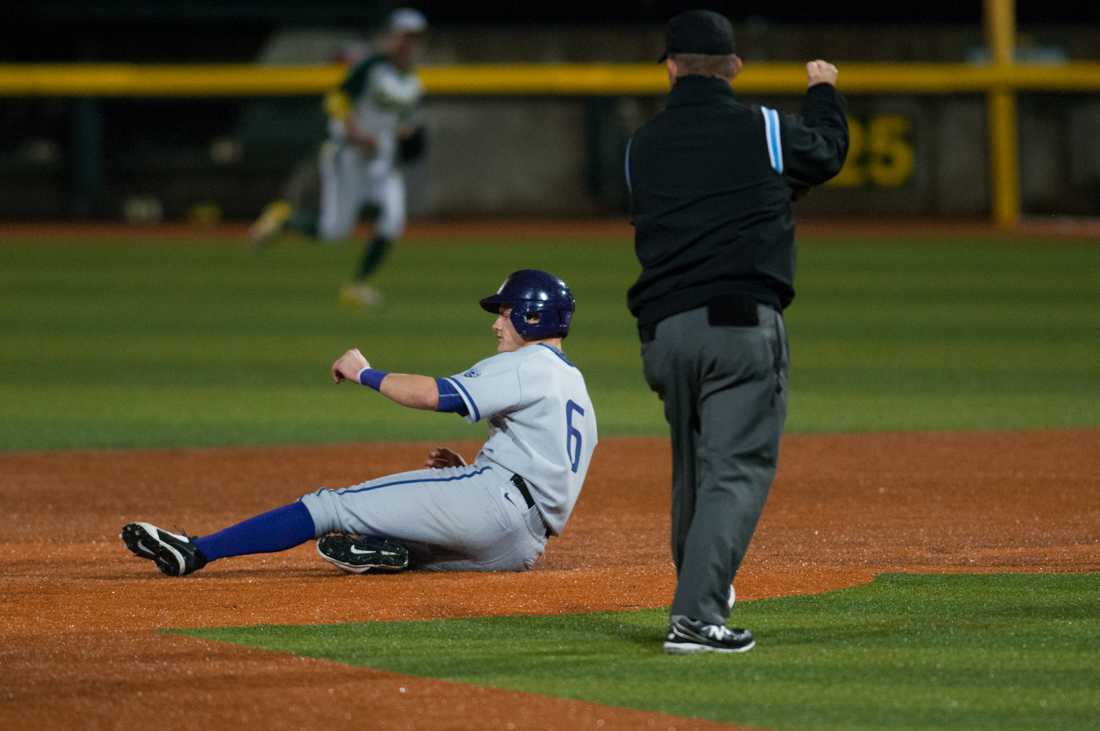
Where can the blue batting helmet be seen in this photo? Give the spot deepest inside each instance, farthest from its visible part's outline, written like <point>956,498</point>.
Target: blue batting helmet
<point>542,305</point>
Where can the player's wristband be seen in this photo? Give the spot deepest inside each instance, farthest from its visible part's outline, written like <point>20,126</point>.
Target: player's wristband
<point>371,377</point>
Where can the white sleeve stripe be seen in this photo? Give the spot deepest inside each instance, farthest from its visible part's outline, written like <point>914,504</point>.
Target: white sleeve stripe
<point>775,144</point>
<point>626,166</point>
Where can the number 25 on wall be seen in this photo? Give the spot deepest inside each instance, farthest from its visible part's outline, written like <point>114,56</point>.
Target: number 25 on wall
<point>880,153</point>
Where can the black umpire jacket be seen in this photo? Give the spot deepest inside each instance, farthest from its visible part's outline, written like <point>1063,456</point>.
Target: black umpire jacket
<point>711,183</point>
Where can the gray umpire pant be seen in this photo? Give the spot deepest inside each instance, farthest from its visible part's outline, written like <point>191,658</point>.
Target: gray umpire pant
<point>725,397</point>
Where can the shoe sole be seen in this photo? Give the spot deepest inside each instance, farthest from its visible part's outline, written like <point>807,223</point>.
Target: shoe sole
<point>132,538</point>
<point>141,539</point>
<point>357,568</point>
<point>268,226</point>
<point>691,648</point>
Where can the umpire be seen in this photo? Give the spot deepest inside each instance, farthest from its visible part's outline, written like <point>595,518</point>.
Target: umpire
<point>711,181</point>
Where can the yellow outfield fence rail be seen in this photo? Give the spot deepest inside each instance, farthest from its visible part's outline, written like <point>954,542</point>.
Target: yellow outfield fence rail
<point>214,80</point>
<point>1000,80</point>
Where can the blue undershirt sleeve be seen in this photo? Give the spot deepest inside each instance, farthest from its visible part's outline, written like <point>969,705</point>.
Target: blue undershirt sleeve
<point>449,399</point>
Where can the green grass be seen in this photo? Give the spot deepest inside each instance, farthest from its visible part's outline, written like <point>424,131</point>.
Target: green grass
<point>157,343</point>
<point>905,652</point>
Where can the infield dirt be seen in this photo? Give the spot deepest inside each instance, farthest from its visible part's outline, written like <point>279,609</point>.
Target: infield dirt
<point>78,616</point>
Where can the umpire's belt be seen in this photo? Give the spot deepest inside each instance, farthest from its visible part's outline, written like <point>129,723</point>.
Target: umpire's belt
<point>521,485</point>
<point>732,309</point>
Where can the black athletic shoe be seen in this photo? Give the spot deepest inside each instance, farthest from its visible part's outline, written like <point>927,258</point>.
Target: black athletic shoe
<point>687,636</point>
<point>174,554</point>
<point>360,554</point>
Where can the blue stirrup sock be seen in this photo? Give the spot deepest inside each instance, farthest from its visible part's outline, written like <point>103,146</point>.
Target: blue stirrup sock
<point>275,530</point>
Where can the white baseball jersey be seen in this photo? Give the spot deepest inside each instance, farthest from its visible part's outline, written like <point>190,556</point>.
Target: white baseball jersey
<point>542,425</point>
<point>383,99</point>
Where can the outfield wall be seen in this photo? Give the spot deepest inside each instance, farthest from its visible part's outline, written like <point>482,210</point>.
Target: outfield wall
<point>152,142</point>
<point>917,155</point>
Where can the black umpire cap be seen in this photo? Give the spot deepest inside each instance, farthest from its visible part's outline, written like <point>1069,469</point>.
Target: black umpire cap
<point>698,31</point>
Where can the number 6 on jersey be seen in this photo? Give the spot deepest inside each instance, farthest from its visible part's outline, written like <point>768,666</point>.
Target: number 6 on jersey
<point>572,435</point>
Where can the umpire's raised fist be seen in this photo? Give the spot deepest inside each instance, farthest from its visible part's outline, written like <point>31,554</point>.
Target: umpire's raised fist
<point>820,72</point>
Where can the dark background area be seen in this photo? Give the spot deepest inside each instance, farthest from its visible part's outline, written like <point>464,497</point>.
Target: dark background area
<point>182,30</point>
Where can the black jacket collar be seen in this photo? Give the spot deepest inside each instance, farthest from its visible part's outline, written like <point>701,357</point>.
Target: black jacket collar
<point>693,90</point>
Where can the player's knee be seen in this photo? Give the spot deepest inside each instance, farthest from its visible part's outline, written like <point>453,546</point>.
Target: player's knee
<point>391,228</point>
<point>333,230</point>
<point>523,559</point>
<point>530,560</point>
<point>518,564</point>
<point>323,507</point>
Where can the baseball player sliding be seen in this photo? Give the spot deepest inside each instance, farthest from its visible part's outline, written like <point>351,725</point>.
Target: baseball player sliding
<point>494,514</point>
<point>371,131</point>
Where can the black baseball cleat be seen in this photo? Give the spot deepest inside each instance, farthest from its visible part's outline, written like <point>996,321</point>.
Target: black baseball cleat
<point>174,554</point>
<point>360,554</point>
<point>687,636</point>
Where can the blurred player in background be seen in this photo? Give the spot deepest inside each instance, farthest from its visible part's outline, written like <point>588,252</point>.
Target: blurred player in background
<point>372,131</point>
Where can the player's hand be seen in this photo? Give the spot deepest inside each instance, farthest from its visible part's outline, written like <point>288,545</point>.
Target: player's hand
<point>820,72</point>
<point>441,457</point>
<point>348,365</point>
<point>366,143</point>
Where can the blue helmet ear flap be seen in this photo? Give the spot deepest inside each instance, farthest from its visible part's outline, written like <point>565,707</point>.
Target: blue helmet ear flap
<point>566,319</point>
<point>522,315</point>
